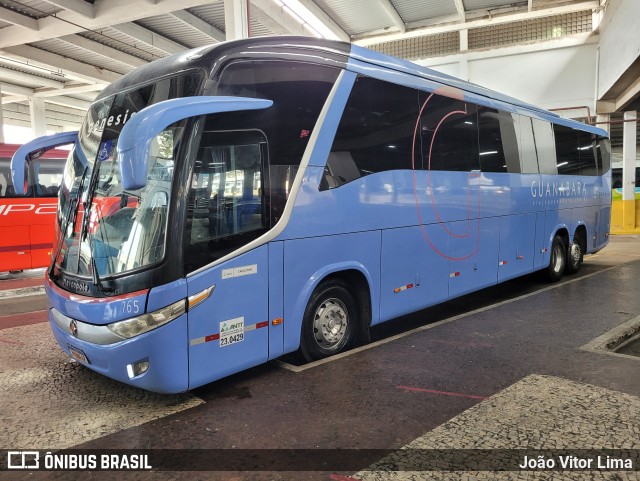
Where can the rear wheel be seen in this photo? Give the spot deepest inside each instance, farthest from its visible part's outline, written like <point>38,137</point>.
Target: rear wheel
<point>575,255</point>
<point>558,260</point>
<point>330,322</point>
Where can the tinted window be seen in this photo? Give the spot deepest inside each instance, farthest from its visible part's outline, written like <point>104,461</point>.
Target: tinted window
<point>575,151</point>
<point>298,91</point>
<point>226,207</point>
<point>449,134</point>
<point>603,154</point>
<point>375,133</point>
<point>6,184</point>
<point>498,142</point>
<point>545,147</point>
<point>526,144</point>
<point>46,175</point>
<point>587,145</point>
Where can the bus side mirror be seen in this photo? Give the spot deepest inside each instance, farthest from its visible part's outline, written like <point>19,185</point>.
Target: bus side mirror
<point>35,149</point>
<point>134,143</point>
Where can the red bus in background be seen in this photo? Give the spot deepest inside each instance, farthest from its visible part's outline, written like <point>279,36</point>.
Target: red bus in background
<point>27,221</point>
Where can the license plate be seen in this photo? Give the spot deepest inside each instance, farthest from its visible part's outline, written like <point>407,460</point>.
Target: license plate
<point>78,355</point>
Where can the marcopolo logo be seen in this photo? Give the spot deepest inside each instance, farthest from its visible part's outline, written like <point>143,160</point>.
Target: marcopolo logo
<point>75,285</point>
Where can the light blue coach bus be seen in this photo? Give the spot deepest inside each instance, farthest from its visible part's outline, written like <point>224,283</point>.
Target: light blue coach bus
<point>230,204</point>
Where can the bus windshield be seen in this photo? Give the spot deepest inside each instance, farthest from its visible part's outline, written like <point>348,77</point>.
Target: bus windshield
<point>102,228</point>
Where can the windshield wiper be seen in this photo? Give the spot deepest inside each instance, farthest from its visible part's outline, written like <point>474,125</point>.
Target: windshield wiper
<point>74,206</point>
<point>87,213</point>
<point>95,277</point>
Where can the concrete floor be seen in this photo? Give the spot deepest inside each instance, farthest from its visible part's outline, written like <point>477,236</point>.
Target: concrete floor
<point>501,369</point>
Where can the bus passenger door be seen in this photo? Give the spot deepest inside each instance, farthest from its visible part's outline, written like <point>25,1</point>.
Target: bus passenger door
<point>228,316</point>
<point>229,329</point>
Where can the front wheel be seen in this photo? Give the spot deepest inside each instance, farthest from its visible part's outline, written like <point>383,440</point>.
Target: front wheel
<point>558,260</point>
<point>330,322</point>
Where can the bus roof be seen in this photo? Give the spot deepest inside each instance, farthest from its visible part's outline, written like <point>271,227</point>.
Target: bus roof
<point>324,52</point>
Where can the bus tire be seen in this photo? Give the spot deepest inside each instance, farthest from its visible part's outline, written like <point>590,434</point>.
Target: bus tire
<point>330,322</point>
<point>558,260</point>
<point>575,255</point>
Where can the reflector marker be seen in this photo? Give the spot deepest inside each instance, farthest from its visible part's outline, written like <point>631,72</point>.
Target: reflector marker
<point>454,274</point>
<point>403,288</point>
<point>520,258</point>
<point>502,263</point>
<point>215,337</point>
<point>543,250</point>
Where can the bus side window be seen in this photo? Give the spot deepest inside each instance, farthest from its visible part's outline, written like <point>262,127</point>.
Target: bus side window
<point>498,141</point>
<point>226,200</point>
<point>575,151</point>
<point>526,145</point>
<point>448,134</point>
<point>375,133</point>
<point>545,147</point>
<point>5,177</point>
<point>46,176</point>
<point>587,150</point>
<point>603,152</point>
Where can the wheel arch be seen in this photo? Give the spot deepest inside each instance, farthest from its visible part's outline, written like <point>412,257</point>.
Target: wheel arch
<point>563,231</point>
<point>581,233</point>
<point>354,274</point>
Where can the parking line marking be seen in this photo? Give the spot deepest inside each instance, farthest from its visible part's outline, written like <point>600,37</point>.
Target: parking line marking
<point>443,393</point>
<point>22,292</point>
<point>340,477</point>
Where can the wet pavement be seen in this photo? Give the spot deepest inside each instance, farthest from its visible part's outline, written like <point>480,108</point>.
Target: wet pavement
<point>513,352</point>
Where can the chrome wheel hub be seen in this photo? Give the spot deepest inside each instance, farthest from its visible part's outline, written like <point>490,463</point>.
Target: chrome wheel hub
<point>575,252</point>
<point>557,259</point>
<point>330,324</point>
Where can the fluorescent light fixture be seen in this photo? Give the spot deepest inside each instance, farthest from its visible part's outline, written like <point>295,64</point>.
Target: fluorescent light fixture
<point>489,152</point>
<point>562,163</point>
<point>303,15</point>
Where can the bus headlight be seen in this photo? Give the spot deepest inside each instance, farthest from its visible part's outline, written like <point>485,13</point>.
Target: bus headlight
<point>147,322</point>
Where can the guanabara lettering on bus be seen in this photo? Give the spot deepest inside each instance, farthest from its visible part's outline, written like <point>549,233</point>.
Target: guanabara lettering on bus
<point>279,194</point>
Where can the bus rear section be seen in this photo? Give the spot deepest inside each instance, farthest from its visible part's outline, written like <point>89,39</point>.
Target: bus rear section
<point>27,221</point>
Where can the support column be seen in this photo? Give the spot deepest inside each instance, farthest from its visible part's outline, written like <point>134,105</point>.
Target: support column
<point>629,171</point>
<point>603,118</point>
<point>463,64</point>
<point>1,119</point>
<point>236,19</point>
<point>38,117</point>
